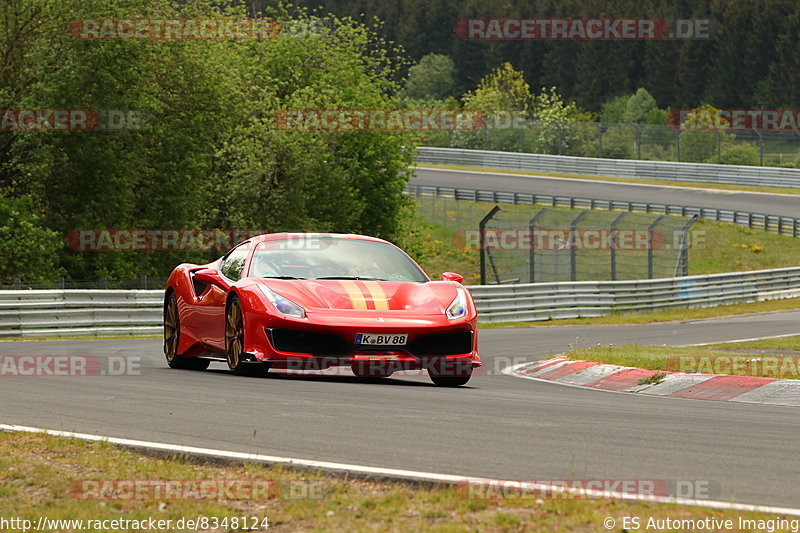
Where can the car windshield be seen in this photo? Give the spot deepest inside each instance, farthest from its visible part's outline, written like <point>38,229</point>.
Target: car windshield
<point>309,257</point>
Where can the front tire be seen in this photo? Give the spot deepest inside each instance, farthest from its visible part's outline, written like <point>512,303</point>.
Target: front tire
<point>172,337</point>
<point>234,343</point>
<point>450,374</point>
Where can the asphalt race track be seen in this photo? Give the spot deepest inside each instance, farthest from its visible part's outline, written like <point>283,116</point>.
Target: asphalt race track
<point>497,426</point>
<point>771,204</point>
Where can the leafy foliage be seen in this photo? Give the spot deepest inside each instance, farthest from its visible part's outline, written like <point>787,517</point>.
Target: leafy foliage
<point>210,154</point>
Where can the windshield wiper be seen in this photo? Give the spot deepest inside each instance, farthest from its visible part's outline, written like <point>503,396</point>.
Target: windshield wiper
<point>281,277</point>
<point>359,278</point>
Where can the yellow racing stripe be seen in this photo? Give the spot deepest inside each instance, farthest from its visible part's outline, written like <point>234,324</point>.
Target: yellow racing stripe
<point>378,296</point>
<point>356,296</point>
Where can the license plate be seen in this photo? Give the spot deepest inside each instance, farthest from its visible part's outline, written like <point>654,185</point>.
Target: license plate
<point>381,339</point>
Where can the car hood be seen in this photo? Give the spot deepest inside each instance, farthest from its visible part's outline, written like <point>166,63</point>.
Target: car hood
<point>431,297</point>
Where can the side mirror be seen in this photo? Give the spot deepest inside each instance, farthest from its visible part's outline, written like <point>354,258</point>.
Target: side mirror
<point>452,276</point>
<point>210,276</point>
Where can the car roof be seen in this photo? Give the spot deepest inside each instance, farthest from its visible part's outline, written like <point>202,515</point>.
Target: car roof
<point>287,235</point>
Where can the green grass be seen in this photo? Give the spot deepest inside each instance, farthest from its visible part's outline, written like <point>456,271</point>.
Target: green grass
<point>791,343</point>
<point>594,177</point>
<point>37,471</point>
<point>715,247</point>
<point>673,315</point>
<point>699,359</point>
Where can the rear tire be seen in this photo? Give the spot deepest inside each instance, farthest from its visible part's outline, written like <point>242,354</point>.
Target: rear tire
<point>172,337</point>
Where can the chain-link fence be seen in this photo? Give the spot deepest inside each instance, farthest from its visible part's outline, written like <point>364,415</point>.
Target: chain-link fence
<point>565,245</point>
<point>652,142</point>
<point>525,244</point>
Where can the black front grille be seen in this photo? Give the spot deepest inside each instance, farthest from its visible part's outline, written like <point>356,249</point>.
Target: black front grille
<point>297,341</point>
<point>442,344</point>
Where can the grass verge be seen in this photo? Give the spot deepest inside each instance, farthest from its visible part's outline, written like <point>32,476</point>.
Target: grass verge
<point>593,177</point>
<point>672,315</point>
<point>735,358</point>
<point>38,475</point>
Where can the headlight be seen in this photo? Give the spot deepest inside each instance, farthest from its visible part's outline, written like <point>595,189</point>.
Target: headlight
<point>283,305</point>
<point>458,308</point>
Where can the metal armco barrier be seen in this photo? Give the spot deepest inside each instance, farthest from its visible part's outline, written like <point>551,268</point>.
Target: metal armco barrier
<point>59,313</point>
<point>773,223</point>
<point>623,168</point>
<point>583,299</point>
<point>79,312</point>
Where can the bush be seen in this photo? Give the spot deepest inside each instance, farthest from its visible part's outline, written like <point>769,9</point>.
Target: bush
<point>27,249</point>
<point>740,154</point>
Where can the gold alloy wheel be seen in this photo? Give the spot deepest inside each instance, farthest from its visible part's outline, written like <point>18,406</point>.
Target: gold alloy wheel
<point>171,328</point>
<point>234,335</point>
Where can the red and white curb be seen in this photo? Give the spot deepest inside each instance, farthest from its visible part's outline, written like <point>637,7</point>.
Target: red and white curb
<point>720,387</point>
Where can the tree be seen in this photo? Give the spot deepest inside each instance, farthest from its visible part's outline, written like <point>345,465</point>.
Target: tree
<point>638,106</point>
<point>433,78</point>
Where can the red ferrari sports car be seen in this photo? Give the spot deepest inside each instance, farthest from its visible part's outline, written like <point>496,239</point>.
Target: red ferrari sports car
<point>309,301</point>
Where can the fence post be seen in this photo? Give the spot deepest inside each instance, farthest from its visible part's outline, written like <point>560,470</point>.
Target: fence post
<point>650,229</point>
<point>678,145</point>
<point>682,262</point>
<point>532,251</point>
<point>573,252</point>
<point>600,132</point>
<point>760,147</point>
<point>482,234</point>
<point>614,245</point>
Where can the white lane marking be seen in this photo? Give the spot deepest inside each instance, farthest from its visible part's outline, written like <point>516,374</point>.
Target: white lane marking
<point>396,473</point>
<point>739,340</point>
<point>724,191</point>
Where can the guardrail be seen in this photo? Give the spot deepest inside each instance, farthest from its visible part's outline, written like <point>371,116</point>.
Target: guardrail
<point>623,168</point>
<point>59,313</point>
<point>80,312</point>
<point>584,299</point>
<point>773,223</point>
